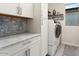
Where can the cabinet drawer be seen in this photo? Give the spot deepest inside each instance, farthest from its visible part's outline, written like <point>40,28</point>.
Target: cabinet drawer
<point>12,49</point>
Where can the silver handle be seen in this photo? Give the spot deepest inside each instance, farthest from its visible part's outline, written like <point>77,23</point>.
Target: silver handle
<point>28,52</point>
<point>19,9</point>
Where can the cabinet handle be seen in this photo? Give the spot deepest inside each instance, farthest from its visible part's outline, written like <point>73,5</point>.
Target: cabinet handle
<point>28,52</point>
<point>19,9</point>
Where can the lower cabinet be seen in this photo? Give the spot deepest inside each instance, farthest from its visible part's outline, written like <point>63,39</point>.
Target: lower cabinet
<point>32,50</point>
<point>25,48</point>
<point>35,49</point>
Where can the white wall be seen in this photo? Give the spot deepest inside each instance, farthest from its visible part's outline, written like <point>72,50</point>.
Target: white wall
<point>70,34</point>
<point>34,26</point>
<point>59,7</point>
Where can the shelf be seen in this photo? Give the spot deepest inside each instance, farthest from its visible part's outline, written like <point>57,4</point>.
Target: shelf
<point>54,16</point>
<point>17,16</point>
<point>60,16</point>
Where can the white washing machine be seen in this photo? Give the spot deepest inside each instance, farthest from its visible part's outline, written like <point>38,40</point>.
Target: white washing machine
<point>54,33</point>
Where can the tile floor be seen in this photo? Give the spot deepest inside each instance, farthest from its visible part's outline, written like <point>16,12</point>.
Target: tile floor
<point>66,50</point>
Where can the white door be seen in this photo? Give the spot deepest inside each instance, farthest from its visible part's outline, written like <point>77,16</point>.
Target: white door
<point>8,8</point>
<point>44,29</point>
<point>27,9</point>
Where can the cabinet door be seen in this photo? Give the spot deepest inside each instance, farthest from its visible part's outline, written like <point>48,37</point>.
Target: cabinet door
<point>35,49</point>
<point>44,29</point>
<point>27,9</point>
<point>8,8</point>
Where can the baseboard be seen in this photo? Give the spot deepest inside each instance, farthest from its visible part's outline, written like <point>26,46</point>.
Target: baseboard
<point>67,43</point>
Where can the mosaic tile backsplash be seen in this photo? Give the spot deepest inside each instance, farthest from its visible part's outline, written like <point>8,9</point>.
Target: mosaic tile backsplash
<point>10,26</point>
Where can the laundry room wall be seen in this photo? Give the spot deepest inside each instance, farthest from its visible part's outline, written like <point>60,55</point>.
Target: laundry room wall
<point>71,31</point>
<point>59,7</point>
<point>71,35</point>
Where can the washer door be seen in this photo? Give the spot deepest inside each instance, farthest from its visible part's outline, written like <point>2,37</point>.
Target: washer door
<point>58,30</point>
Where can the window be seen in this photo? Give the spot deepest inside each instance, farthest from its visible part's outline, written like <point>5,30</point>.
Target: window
<point>72,19</point>
<point>72,14</point>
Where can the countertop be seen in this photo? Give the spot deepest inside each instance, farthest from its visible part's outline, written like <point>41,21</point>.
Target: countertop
<point>5,41</point>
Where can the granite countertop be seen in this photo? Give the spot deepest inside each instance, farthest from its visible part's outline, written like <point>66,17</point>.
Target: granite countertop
<point>5,41</point>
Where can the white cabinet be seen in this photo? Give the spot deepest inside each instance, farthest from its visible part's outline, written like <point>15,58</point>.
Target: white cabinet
<point>27,9</point>
<point>28,47</point>
<point>19,9</point>
<point>12,49</point>
<point>44,29</point>
<point>41,21</point>
<point>8,8</point>
<point>35,49</point>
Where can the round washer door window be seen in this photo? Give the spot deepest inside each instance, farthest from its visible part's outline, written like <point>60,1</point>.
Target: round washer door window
<point>58,30</point>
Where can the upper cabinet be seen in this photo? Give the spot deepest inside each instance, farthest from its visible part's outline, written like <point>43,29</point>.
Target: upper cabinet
<point>17,9</point>
<point>27,9</point>
<point>8,8</point>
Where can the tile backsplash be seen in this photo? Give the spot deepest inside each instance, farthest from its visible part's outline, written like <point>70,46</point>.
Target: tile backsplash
<point>11,25</point>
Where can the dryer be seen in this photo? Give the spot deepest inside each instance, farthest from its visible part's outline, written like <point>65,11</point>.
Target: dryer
<point>54,35</point>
